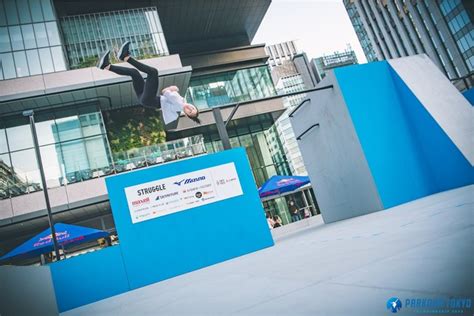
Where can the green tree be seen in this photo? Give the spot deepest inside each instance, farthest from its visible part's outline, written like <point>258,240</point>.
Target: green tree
<point>133,127</point>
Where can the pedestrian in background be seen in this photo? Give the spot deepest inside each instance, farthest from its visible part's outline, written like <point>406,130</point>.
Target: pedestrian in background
<point>294,211</point>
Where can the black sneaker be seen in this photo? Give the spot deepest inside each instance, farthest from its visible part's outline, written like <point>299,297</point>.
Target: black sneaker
<point>124,51</point>
<point>104,60</point>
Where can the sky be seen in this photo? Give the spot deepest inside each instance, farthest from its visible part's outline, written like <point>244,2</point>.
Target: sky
<point>319,27</point>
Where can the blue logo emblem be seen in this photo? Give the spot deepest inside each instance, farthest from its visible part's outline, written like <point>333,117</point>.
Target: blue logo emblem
<point>394,304</point>
<point>179,182</point>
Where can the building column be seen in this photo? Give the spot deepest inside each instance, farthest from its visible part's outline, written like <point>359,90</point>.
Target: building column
<point>393,11</point>
<point>425,36</point>
<point>458,60</point>
<point>418,49</point>
<point>388,39</point>
<point>368,31</point>
<point>448,64</point>
<point>374,36</point>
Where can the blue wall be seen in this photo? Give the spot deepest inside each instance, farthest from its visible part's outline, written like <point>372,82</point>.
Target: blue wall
<point>401,142</point>
<point>89,278</point>
<point>171,245</point>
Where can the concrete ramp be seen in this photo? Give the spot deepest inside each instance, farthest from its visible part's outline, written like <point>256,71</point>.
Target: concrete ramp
<point>387,133</point>
<point>442,100</point>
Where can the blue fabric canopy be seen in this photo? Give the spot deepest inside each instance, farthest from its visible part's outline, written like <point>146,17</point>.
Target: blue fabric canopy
<point>66,235</point>
<point>277,185</point>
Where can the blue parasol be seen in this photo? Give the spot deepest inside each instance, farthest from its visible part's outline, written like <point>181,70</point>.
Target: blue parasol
<point>278,185</point>
<point>67,235</point>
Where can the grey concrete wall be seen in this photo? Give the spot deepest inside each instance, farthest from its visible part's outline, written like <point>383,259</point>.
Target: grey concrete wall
<point>445,103</point>
<point>339,173</point>
<point>27,291</point>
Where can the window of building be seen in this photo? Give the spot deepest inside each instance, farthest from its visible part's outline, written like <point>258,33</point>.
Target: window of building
<point>3,18</point>
<point>4,40</point>
<point>46,60</point>
<point>11,12</point>
<point>58,58</point>
<point>24,171</point>
<point>36,12</point>
<point>230,87</point>
<point>458,22</point>
<point>15,37</point>
<point>74,152</point>
<point>33,62</point>
<point>21,64</point>
<point>466,42</point>
<point>28,36</point>
<point>41,36</point>
<point>7,65</point>
<point>470,63</point>
<point>47,10</point>
<point>448,5</point>
<point>87,36</point>
<point>23,30</point>
<point>23,11</point>
<point>53,34</point>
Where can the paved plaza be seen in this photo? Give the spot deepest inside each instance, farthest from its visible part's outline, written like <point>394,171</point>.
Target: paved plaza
<point>422,249</point>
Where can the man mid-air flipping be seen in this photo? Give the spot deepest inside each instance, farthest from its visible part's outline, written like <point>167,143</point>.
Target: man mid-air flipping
<point>170,101</point>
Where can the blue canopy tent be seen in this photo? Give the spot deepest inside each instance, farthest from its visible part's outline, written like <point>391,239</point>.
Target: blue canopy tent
<point>67,235</point>
<point>278,185</point>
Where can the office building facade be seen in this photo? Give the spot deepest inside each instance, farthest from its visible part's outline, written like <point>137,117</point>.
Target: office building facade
<point>30,42</point>
<point>442,29</point>
<point>89,122</point>
<point>290,73</point>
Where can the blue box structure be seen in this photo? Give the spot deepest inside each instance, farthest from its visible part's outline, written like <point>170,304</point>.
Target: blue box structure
<point>174,244</point>
<point>409,154</point>
<point>383,134</point>
<point>163,247</point>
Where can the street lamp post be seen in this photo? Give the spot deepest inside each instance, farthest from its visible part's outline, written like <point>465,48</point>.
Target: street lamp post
<point>222,125</point>
<point>30,114</point>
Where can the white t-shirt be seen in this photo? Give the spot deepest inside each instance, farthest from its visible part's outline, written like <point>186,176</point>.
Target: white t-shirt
<point>171,105</point>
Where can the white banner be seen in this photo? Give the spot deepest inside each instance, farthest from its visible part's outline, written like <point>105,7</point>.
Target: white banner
<point>178,193</point>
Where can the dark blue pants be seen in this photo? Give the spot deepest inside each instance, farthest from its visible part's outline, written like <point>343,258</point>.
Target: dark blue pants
<point>295,217</point>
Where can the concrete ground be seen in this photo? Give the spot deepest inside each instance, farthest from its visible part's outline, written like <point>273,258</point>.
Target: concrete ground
<point>422,249</point>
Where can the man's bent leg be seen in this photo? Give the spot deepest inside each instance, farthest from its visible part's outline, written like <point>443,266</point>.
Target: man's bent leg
<point>137,79</point>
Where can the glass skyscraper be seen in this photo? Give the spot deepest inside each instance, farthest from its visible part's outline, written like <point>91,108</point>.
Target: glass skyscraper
<point>87,36</point>
<point>30,41</point>
<point>442,29</point>
<point>89,122</point>
<point>361,33</point>
<point>229,87</point>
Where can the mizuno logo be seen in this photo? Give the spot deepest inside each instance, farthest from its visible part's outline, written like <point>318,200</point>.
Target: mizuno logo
<point>179,183</point>
<point>189,180</point>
